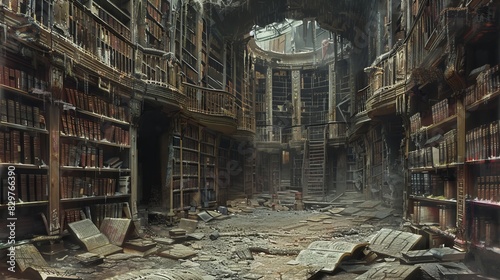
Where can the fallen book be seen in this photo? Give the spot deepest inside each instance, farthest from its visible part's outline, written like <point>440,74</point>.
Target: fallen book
<point>140,245</point>
<point>93,240</point>
<point>33,265</point>
<point>328,254</point>
<point>417,256</point>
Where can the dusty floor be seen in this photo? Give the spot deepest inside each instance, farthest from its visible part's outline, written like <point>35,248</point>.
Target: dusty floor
<point>263,230</point>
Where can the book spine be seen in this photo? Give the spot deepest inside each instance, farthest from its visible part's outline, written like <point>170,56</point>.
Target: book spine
<point>39,187</point>
<point>37,123</point>
<point>2,147</point>
<point>32,187</point>
<point>27,158</point>
<point>16,146</point>
<point>17,112</point>
<point>11,111</point>
<point>24,187</point>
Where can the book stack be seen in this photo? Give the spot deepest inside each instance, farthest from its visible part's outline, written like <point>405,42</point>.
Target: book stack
<point>448,148</point>
<point>450,190</point>
<point>415,123</point>
<point>95,104</point>
<point>440,111</point>
<point>482,142</point>
<point>19,147</point>
<point>75,187</point>
<point>73,215</point>
<point>487,82</point>
<point>17,113</point>
<point>447,217</point>
<point>19,79</point>
<point>488,188</point>
<point>424,214</point>
<point>101,211</point>
<point>81,156</point>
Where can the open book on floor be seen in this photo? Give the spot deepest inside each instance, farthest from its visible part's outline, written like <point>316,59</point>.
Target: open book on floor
<point>93,240</point>
<point>328,254</point>
<point>33,266</point>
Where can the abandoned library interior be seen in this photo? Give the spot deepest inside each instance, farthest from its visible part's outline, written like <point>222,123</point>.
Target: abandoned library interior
<point>249,139</point>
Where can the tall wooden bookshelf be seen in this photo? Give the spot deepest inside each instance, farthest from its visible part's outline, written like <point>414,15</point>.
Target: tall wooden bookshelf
<point>434,162</point>
<point>24,140</point>
<point>482,144</point>
<point>208,163</point>
<point>94,155</point>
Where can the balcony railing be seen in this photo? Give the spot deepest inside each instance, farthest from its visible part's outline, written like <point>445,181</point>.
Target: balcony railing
<point>361,97</point>
<point>269,134</point>
<point>246,119</point>
<point>211,102</point>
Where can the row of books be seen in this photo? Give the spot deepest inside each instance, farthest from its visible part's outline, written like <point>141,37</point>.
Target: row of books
<point>189,156</point>
<point>190,144</point>
<point>112,21</point>
<point>427,184</point>
<point>188,199</point>
<point>81,156</point>
<point>445,153</point>
<point>155,28</point>
<point>15,112</point>
<point>94,130</point>
<point>76,187</point>
<point>487,82</point>
<point>485,230</point>
<point>20,147</point>
<point>187,169</point>
<point>188,183</point>
<point>442,215</point>
<point>28,188</point>
<point>448,148</point>
<point>488,188</point>
<point>98,105</point>
<point>415,123</point>
<point>207,149</point>
<point>483,141</point>
<point>440,111</point>
<point>19,79</point>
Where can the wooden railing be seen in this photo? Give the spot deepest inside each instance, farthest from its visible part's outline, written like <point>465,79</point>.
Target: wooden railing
<point>269,134</point>
<point>361,97</point>
<point>246,119</point>
<point>211,102</point>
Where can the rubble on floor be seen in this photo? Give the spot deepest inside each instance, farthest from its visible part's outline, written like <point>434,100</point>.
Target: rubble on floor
<point>259,242</point>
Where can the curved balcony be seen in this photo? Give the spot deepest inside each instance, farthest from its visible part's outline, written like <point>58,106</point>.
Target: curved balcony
<point>213,108</point>
<point>383,101</point>
<point>360,119</point>
<point>246,123</point>
<point>165,93</point>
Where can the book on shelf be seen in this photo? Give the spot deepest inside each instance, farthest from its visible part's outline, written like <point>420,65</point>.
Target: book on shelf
<point>17,117</point>
<point>27,149</point>
<point>23,192</point>
<point>32,187</point>
<point>2,147</point>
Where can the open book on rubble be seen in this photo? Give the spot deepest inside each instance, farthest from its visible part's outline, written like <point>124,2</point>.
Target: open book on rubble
<point>93,240</point>
<point>328,254</point>
<point>33,266</point>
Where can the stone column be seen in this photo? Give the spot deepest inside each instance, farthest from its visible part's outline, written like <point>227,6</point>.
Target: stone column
<point>269,102</point>
<point>296,113</point>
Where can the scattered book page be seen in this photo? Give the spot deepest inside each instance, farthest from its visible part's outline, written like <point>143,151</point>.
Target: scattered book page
<point>116,229</point>
<point>393,242</point>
